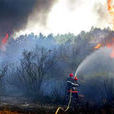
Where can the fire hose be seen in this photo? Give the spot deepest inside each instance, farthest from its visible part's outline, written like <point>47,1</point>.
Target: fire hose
<point>68,106</point>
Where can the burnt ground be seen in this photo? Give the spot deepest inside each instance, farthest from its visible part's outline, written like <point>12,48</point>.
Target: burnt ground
<point>14,105</point>
<point>46,109</point>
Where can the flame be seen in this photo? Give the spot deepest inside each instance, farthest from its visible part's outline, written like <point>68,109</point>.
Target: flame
<point>108,45</point>
<point>5,39</point>
<point>98,46</point>
<point>4,42</point>
<point>109,5</point>
<point>112,54</point>
<point>111,10</point>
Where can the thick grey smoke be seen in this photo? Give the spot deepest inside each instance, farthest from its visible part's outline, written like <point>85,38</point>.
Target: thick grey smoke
<point>14,13</point>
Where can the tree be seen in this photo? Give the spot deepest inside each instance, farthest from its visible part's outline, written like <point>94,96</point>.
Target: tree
<point>33,69</point>
<point>3,71</point>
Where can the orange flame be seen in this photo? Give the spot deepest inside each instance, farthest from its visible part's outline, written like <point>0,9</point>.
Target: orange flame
<point>109,4</point>
<point>3,42</point>
<point>108,45</point>
<point>5,39</point>
<point>112,54</point>
<point>98,46</point>
<point>110,9</point>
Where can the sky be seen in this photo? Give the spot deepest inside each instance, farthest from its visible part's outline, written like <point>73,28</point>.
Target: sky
<point>53,16</point>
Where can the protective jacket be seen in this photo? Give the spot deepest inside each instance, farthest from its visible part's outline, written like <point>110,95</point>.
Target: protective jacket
<point>72,85</point>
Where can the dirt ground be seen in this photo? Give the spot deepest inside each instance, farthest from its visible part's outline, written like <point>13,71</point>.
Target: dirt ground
<point>17,106</point>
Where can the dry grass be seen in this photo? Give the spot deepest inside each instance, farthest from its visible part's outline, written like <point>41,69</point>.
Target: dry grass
<point>8,112</point>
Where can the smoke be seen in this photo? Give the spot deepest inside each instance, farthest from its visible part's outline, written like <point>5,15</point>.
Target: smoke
<point>72,4</point>
<point>95,62</point>
<point>101,10</point>
<point>68,56</point>
<point>103,18</point>
<point>102,15</point>
<point>96,74</point>
<point>14,14</point>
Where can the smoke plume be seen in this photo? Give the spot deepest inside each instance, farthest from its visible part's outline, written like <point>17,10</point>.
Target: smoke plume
<point>14,14</point>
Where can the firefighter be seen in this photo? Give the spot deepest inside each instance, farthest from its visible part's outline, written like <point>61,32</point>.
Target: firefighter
<point>75,98</point>
<point>72,92</point>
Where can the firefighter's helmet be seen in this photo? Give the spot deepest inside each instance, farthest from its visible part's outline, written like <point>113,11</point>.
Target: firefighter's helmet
<point>71,75</point>
<point>75,78</point>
